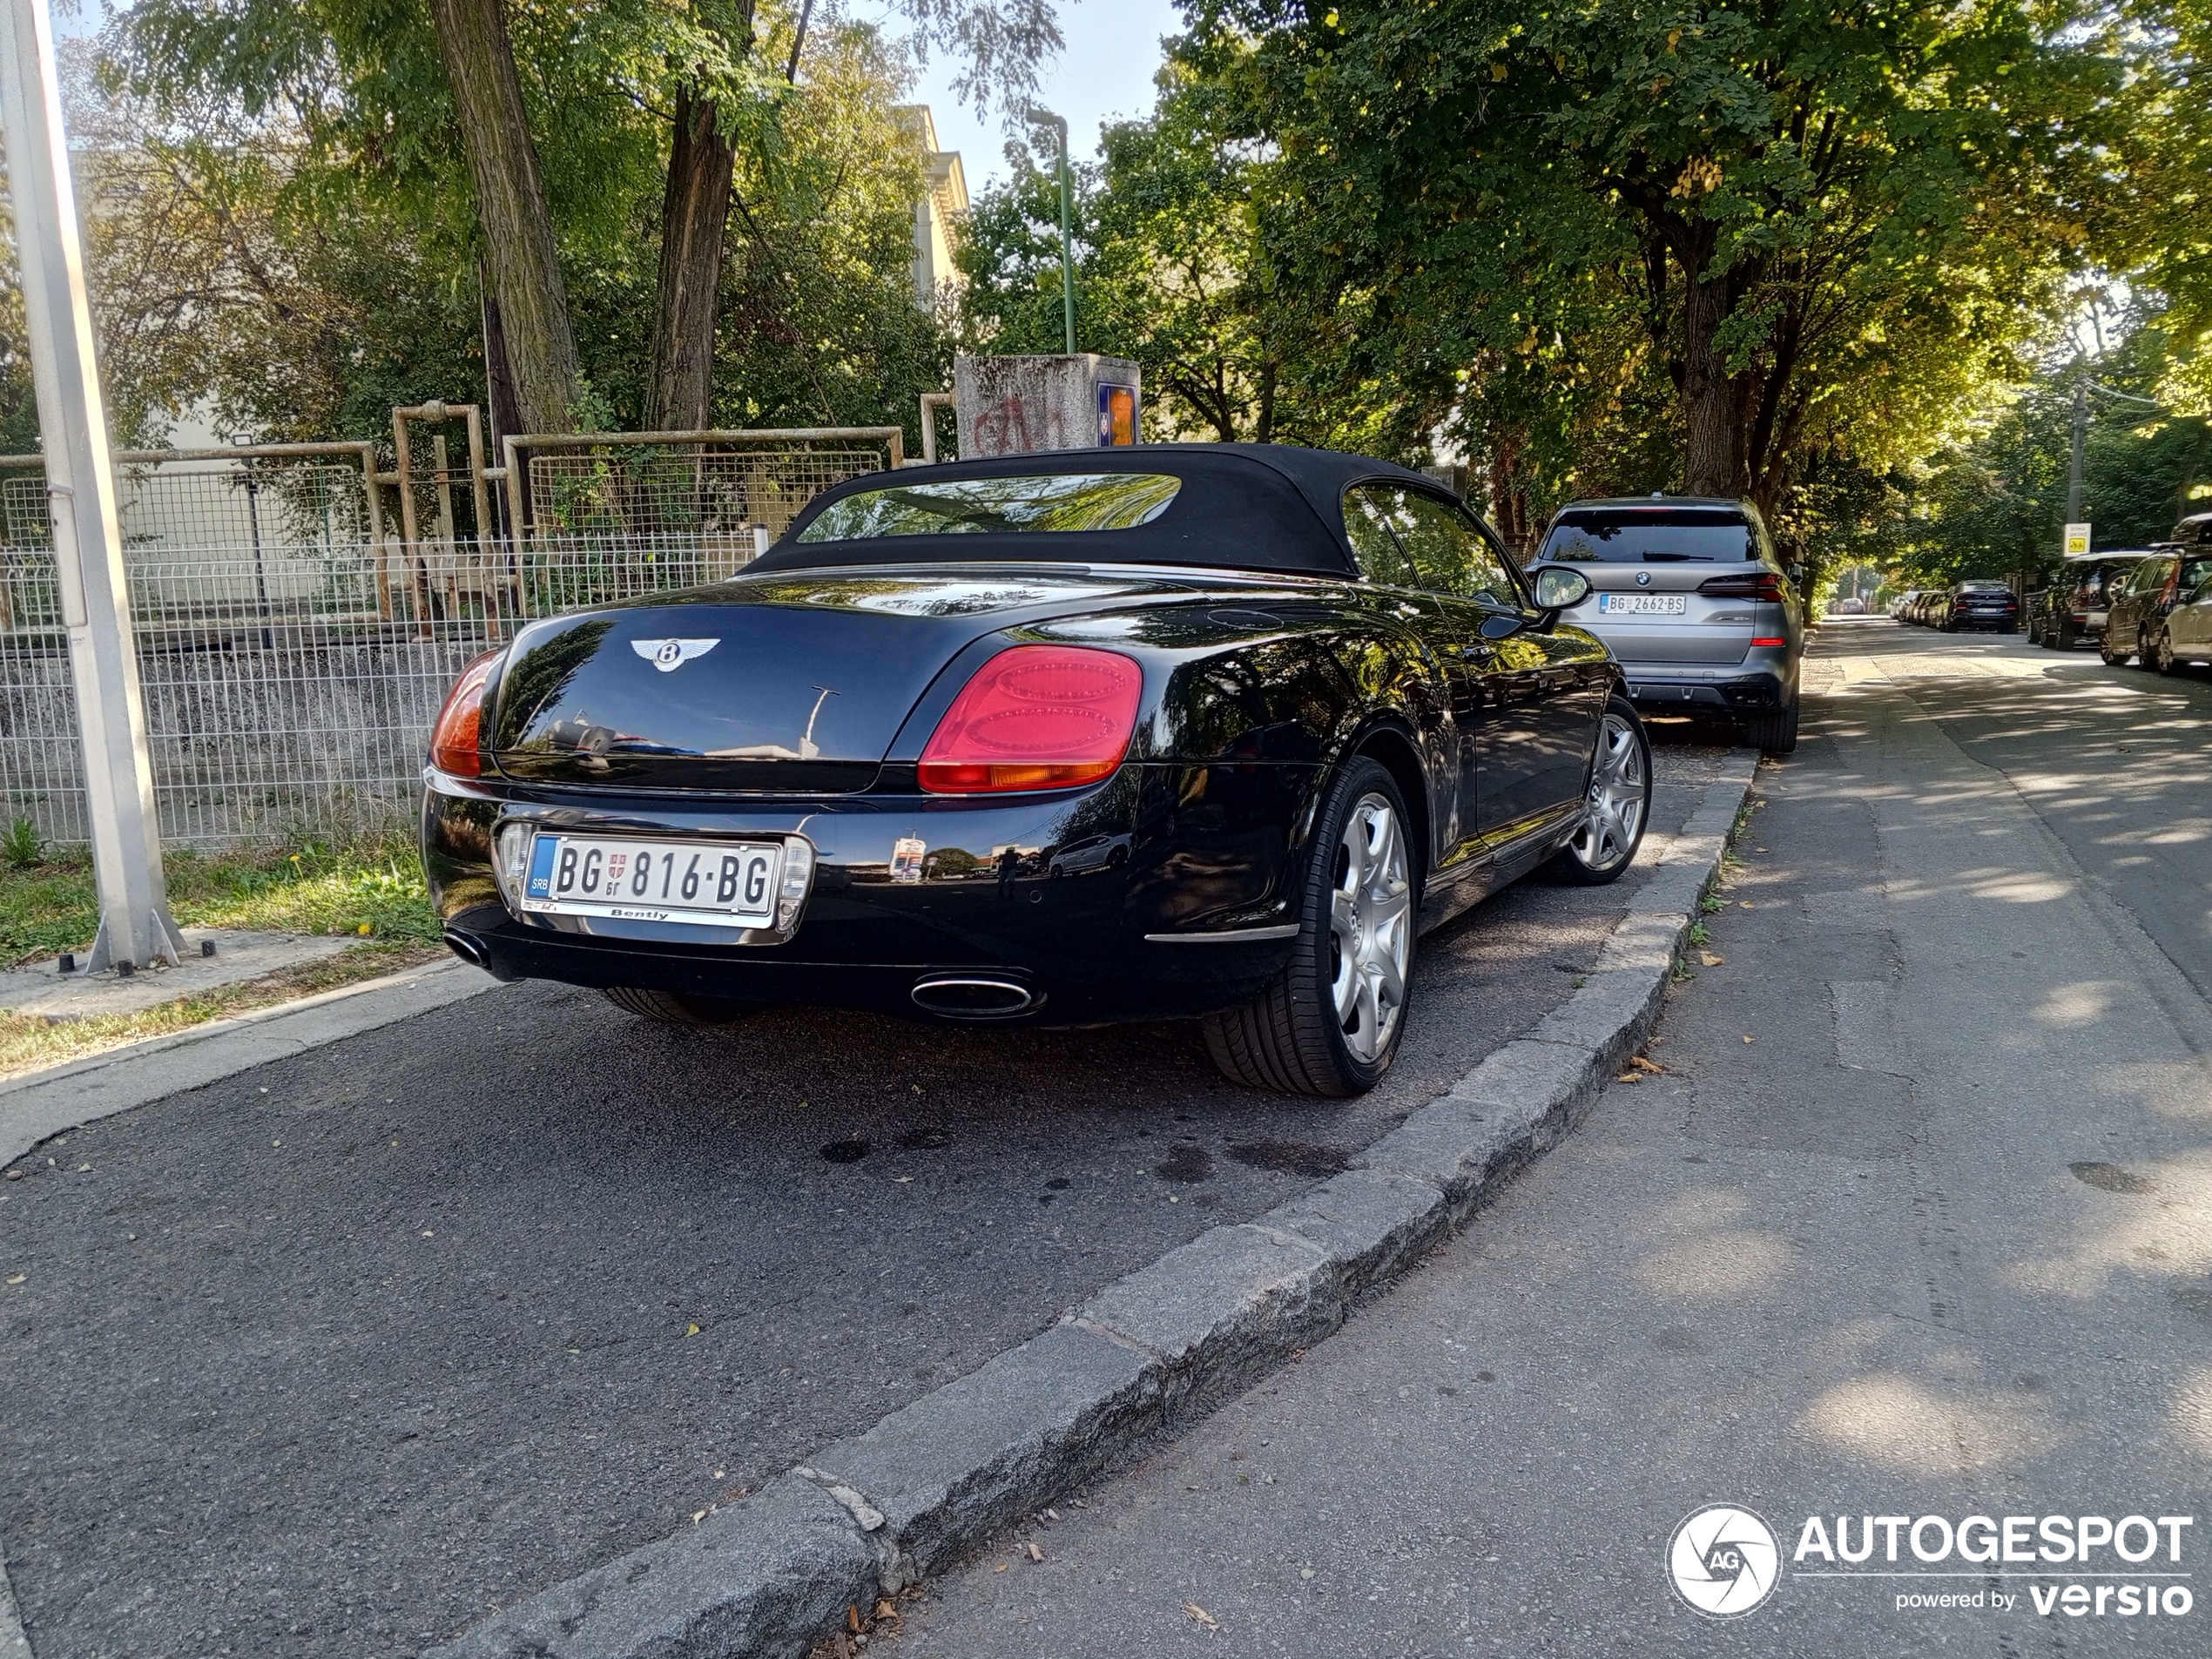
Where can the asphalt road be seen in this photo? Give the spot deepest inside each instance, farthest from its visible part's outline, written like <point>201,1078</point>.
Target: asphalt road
<point>1916,1222</point>
<point>335,1357</point>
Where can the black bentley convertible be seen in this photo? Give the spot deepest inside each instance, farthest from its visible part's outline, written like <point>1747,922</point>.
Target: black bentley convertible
<point>1182,729</point>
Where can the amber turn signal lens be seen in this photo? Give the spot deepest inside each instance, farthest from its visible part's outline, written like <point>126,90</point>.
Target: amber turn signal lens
<point>1036,716</point>
<point>456,742</point>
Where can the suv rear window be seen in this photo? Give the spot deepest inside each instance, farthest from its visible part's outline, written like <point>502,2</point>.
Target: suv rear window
<point>1651,535</point>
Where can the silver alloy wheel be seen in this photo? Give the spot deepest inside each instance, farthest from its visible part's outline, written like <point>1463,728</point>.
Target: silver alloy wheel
<point>1371,927</point>
<point>1614,811</point>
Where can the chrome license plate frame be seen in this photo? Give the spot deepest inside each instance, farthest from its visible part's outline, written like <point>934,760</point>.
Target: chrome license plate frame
<point>735,884</point>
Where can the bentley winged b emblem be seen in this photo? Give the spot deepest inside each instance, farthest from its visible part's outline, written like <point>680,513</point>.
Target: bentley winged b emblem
<point>668,655</point>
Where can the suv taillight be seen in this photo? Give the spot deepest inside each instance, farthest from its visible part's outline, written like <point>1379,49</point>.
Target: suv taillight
<point>1036,716</point>
<point>1763,584</point>
<point>457,740</point>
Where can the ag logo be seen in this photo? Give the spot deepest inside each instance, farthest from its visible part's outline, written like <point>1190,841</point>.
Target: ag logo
<point>668,655</point>
<point>1723,1560</point>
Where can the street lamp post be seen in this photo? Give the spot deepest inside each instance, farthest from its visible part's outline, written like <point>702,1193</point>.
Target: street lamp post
<point>135,924</point>
<point>1059,125</point>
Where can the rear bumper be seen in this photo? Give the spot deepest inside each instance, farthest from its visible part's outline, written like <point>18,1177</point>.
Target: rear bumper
<point>1194,852</point>
<point>1667,689</point>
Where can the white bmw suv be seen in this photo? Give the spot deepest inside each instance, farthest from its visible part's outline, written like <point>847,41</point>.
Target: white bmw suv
<point>1689,596</point>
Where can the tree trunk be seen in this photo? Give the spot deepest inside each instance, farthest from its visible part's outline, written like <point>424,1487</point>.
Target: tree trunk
<point>695,213</point>
<point>1508,501</point>
<point>499,373</point>
<point>695,210</point>
<point>1712,403</point>
<point>519,249</point>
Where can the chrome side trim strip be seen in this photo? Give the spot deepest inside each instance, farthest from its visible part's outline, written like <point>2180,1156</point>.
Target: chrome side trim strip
<point>1235,936</point>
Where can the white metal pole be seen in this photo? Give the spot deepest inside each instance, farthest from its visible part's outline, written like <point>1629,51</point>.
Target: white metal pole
<point>135,924</point>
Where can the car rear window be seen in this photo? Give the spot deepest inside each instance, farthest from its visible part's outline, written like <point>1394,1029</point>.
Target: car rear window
<point>1651,535</point>
<point>1025,503</point>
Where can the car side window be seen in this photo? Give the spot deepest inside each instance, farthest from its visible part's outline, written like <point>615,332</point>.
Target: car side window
<point>1447,553</point>
<point>1366,523</point>
<point>1451,555</point>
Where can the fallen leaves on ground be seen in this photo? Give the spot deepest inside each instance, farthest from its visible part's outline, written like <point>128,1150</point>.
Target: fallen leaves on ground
<point>1641,1063</point>
<point>1201,1616</point>
<point>1750,1039</point>
<point>1710,959</point>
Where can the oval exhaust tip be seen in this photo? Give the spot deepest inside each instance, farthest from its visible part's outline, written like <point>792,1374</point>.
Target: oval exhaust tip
<point>974,997</point>
<point>470,948</point>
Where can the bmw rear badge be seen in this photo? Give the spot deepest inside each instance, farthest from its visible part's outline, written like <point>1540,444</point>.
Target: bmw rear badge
<point>668,655</point>
<point>1643,578</point>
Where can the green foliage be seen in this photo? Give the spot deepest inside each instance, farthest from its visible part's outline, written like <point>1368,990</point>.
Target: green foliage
<point>1996,503</point>
<point>1173,232</point>
<point>1620,246</point>
<point>22,845</point>
<point>286,224</point>
<point>369,887</point>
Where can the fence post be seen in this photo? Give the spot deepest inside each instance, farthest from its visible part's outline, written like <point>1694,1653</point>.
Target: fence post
<point>135,923</point>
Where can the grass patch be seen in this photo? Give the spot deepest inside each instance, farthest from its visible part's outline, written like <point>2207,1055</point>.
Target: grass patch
<point>371,887</point>
<point>29,1044</point>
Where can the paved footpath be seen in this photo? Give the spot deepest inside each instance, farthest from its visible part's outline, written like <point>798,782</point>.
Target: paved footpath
<point>1916,1222</point>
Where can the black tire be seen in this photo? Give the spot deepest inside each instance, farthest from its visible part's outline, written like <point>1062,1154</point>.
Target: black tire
<point>2142,651</point>
<point>1290,1038</point>
<point>1775,733</point>
<point>2105,650</point>
<point>2160,654</point>
<point>2063,633</point>
<point>1592,859</point>
<point>678,1007</point>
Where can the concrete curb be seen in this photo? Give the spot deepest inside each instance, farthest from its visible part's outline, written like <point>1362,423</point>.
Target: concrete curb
<point>44,1103</point>
<point>935,1480</point>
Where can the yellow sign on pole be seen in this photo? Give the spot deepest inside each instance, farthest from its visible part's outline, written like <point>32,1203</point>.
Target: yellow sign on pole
<point>2077,539</point>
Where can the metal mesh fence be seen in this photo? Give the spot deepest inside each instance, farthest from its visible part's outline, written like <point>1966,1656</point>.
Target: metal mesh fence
<point>295,646</point>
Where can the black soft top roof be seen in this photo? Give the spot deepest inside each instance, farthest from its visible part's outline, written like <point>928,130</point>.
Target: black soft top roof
<point>1242,507</point>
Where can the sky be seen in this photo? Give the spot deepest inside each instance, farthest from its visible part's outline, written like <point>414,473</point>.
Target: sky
<point>1104,72</point>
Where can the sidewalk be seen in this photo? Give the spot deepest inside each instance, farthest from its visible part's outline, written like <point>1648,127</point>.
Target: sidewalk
<point>1936,1240</point>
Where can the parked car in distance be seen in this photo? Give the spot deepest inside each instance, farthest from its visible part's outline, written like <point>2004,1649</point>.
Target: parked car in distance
<point>2070,606</point>
<point>2140,604</point>
<point>1914,607</point>
<point>1980,604</point>
<point>1692,601</point>
<point>2185,637</point>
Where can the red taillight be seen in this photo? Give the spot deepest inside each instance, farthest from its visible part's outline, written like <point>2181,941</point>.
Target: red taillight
<point>1777,641</point>
<point>456,742</point>
<point>1036,716</point>
<point>1763,585</point>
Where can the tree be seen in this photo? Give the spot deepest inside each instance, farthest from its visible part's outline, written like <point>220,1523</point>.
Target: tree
<point>1172,248</point>
<point>563,112</point>
<point>520,253</point>
<point>1775,192</point>
<point>254,262</point>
